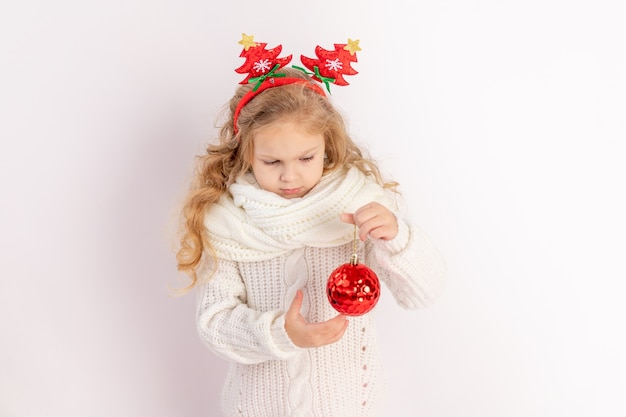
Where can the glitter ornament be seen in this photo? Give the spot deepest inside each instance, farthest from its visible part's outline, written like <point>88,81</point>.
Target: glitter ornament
<point>353,289</point>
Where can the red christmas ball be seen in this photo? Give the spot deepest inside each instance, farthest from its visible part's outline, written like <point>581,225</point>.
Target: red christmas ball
<point>353,289</point>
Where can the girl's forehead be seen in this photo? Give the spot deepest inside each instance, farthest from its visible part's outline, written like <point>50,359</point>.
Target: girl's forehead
<point>285,138</point>
<point>288,125</point>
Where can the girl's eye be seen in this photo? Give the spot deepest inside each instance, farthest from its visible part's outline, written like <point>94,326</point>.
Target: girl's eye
<point>271,162</point>
<point>307,159</point>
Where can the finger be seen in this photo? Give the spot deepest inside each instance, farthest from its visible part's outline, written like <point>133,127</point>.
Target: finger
<point>383,231</point>
<point>329,331</point>
<point>367,211</point>
<point>366,214</point>
<point>336,325</point>
<point>380,232</point>
<point>376,221</point>
<point>339,330</point>
<point>367,227</point>
<point>347,218</point>
<point>296,304</point>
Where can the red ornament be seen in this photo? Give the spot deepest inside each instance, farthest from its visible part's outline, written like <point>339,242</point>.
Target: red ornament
<point>353,289</point>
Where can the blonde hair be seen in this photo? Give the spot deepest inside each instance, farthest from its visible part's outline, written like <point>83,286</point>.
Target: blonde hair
<point>230,157</point>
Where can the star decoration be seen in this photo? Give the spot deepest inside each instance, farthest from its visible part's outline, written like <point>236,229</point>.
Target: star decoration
<point>352,46</point>
<point>247,41</point>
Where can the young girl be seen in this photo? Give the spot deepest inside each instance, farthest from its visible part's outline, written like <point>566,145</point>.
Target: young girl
<point>269,217</point>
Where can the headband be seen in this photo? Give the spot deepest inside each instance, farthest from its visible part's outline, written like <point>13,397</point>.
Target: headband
<point>261,66</point>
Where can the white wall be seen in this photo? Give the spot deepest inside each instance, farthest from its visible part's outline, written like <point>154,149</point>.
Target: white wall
<point>504,122</point>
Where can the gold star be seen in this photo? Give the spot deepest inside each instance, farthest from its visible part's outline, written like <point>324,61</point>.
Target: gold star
<point>247,41</point>
<point>352,46</point>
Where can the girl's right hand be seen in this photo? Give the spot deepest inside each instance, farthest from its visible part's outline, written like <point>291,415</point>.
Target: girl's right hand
<point>308,335</point>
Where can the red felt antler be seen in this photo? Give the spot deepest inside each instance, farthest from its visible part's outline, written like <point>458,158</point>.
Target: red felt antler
<point>333,64</point>
<point>259,60</point>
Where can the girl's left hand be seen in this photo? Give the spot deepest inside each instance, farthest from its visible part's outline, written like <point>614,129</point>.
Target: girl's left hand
<point>375,220</point>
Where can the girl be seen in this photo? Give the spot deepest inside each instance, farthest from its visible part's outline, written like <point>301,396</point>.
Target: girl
<point>270,215</point>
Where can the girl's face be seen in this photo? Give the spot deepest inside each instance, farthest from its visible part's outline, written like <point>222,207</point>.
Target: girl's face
<point>287,160</point>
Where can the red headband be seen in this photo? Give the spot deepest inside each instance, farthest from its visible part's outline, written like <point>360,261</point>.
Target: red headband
<point>270,83</point>
<point>261,64</point>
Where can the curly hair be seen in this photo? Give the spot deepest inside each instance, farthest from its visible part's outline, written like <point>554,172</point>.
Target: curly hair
<point>231,156</point>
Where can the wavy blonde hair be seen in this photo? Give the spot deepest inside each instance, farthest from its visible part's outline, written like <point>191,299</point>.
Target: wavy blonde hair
<point>231,157</point>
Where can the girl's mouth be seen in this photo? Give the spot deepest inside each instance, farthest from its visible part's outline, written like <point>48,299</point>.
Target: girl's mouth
<point>291,191</point>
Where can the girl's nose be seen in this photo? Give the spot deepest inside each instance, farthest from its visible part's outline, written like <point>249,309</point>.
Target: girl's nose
<point>288,173</point>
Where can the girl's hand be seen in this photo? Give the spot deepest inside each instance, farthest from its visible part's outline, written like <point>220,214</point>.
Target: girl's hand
<point>375,220</point>
<point>309,335</point>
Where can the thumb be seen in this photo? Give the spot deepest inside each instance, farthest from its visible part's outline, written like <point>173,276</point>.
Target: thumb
<point>296,304</point>
<point>347,218</point>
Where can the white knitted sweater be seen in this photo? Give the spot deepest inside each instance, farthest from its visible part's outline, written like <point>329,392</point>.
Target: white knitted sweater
<point>270,247</point>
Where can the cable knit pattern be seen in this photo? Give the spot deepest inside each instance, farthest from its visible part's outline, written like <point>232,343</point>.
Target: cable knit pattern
<point>241,309</point>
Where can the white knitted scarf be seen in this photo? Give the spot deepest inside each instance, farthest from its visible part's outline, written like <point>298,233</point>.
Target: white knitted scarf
<point>251,224</point>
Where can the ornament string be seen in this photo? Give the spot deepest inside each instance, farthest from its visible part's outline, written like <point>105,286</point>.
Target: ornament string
<point>354,259</point>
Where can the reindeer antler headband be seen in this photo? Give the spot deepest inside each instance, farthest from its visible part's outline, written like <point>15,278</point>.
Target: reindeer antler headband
<point>261,66</point>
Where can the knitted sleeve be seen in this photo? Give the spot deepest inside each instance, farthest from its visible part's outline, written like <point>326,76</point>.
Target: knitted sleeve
<point>410,266</point>
<point>234,331</point>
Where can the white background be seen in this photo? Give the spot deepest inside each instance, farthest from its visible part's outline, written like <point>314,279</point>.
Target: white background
<point>503,121</point>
